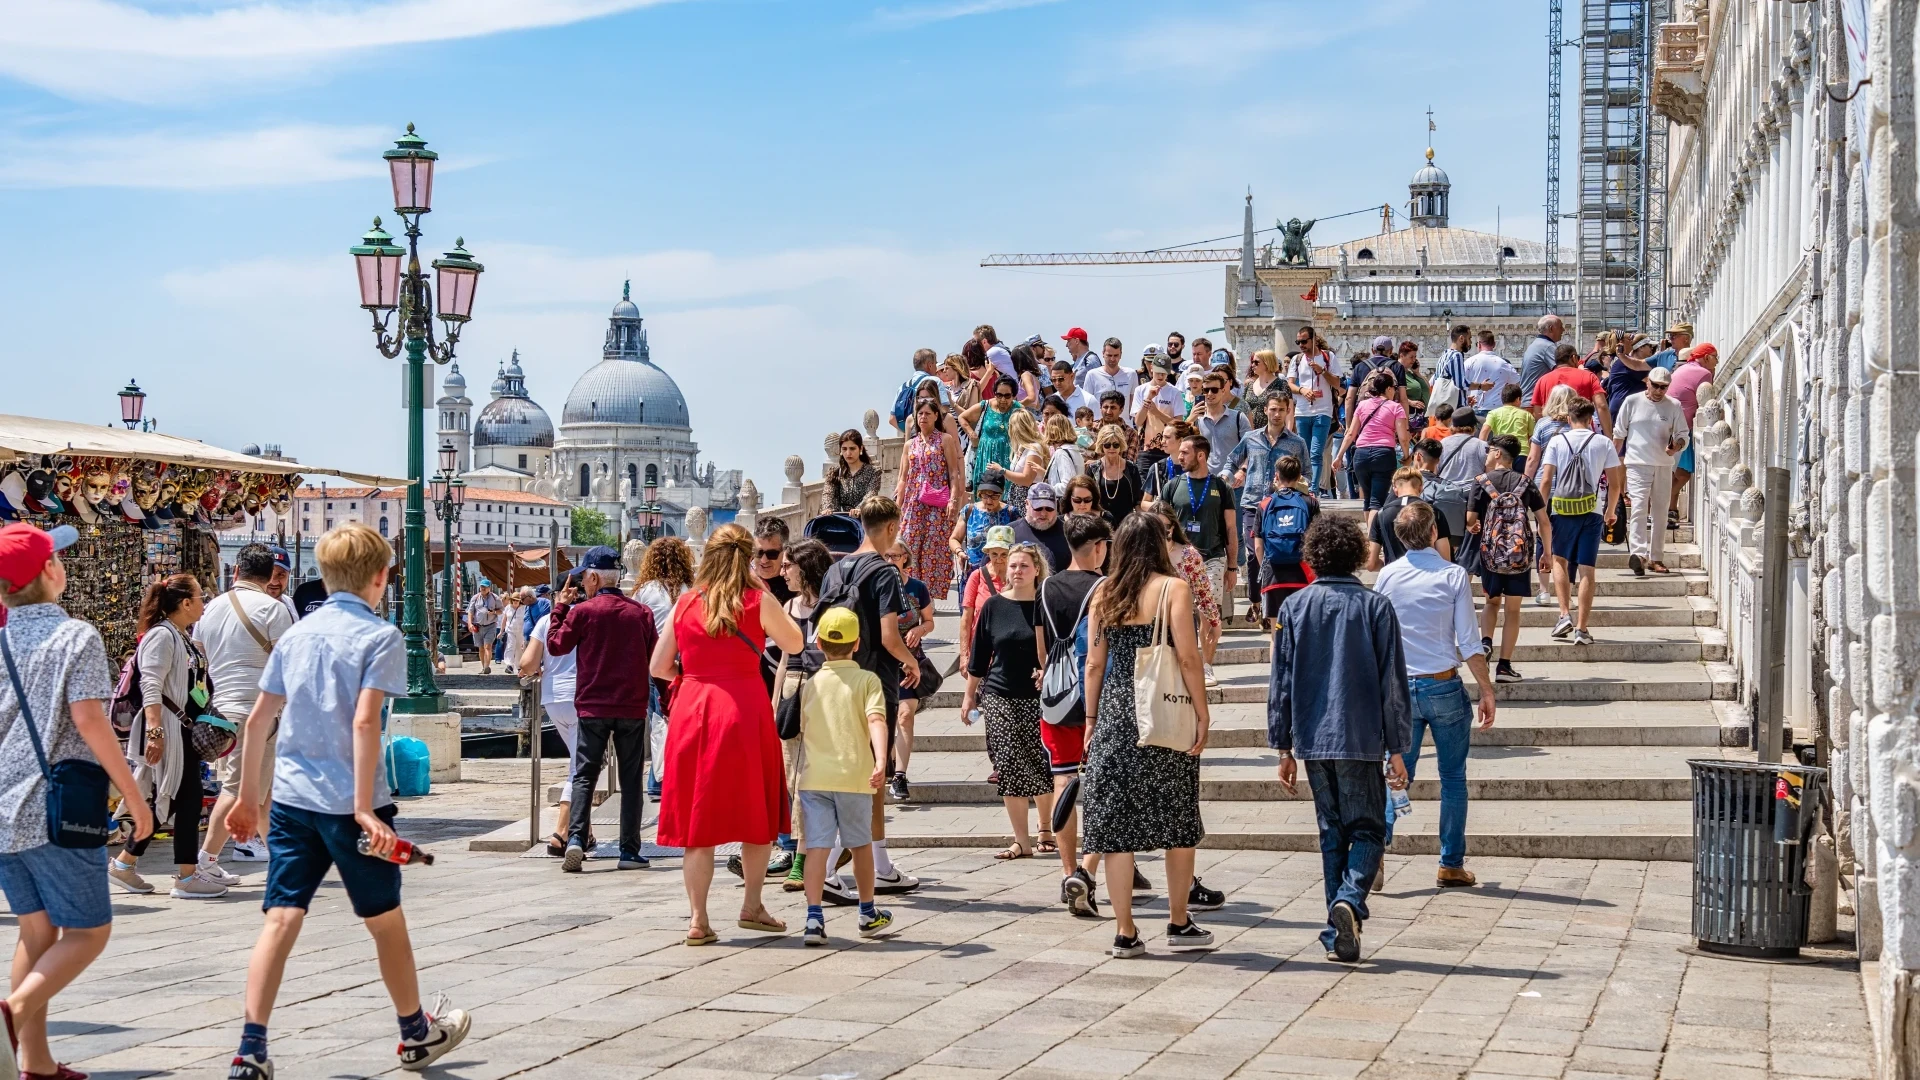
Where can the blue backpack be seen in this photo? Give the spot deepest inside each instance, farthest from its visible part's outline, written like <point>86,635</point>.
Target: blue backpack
<point>1283,525</point>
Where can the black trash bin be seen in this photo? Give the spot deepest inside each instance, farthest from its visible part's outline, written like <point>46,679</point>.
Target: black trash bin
<point>1752,827</point>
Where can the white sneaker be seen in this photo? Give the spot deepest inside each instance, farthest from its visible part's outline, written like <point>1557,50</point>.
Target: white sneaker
<point>445,1030</point>
<point>1213,681</point>
<point>1544,598</point>
<point>251,851</point>
<point>213,871</point>
<point>127,879</point>
<point>197,886</point>
<point>894,881</point>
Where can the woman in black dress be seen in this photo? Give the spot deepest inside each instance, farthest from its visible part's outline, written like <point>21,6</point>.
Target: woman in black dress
<point>1113,476</point>
<point>1142,798</point>
<point>1001,677</point>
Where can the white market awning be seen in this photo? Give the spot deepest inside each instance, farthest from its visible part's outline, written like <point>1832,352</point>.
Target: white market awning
<point>31,436</point>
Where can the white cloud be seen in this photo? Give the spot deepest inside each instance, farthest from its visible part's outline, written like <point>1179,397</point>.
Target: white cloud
<point>292,154</point>
<point>115,50</point>
<point>922,14</point>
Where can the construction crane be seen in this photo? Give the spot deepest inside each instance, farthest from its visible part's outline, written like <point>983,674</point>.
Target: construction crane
<point>1179,253</point>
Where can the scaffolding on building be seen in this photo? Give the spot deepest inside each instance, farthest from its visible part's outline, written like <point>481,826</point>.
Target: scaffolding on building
<point>1554,82</point>
<point>1621,212</point>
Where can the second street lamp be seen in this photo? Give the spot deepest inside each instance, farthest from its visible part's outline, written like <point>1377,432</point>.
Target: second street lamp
<point>449,493</point>
<point>133,402</point>
<point>384,289</point>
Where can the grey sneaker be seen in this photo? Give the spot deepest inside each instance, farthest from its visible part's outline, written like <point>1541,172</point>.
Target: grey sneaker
<point>574,859</point>
<point>1581,637</point>
<point>128,879</point>
<point>197,886</point>
<point>214,871</point>
<point>1563,627</point>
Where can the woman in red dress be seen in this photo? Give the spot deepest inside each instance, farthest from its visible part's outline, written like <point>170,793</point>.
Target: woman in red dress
<point>724,780</point>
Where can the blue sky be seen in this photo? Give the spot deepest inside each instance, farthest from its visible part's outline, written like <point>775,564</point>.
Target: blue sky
<point>800,191</point>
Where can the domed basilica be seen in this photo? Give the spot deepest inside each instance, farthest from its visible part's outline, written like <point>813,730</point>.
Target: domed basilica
<point>625,425</point>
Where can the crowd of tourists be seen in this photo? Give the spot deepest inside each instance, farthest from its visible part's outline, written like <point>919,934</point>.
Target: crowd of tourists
<point>1095,521</point>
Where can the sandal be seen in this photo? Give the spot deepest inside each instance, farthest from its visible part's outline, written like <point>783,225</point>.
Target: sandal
<point>762,922</point>
<point>1659,568</point>
<point>1673,519</point>
<point>1046,846</point>
<point>1012,851</point>
<point>556,845</point>
<point>707,938</point>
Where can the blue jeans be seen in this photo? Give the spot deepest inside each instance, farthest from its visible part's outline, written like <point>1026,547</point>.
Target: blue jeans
<point>1349,803</point>
<point>1373,468</point>
<point>1440,706</point>
<point>1316,430</point>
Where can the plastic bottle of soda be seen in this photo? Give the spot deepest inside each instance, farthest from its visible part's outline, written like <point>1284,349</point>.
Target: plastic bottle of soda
<point>404,851</point>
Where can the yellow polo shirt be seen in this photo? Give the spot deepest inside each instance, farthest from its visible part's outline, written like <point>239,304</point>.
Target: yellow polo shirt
<point>834,708</point>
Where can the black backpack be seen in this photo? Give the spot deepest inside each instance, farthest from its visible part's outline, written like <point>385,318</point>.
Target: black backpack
<point>845,587</point>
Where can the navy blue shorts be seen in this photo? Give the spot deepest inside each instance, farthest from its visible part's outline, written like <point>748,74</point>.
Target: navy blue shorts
<point>1577,538</point>
<point>1520,584</point>
<point>69,884</point>
<point>302,845</point>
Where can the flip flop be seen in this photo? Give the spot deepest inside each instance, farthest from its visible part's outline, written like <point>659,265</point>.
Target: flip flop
<point>1046,847</point>
<point>709,939</point>
<point>767,927</point>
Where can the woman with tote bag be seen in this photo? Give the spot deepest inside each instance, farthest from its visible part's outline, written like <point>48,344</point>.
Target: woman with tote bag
<point>1137,793</point>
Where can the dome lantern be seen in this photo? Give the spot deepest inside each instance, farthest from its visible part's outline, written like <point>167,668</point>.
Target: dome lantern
<point>1429,192</point>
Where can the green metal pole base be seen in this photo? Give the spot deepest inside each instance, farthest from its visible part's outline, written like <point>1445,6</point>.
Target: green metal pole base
<point>421,705</point>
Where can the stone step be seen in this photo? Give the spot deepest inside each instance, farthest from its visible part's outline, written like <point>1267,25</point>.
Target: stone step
<point>482,702</point>
<point>1494,773</point>
<point>1538,829</point>
<point>1545,681</point>
<point>1518,723</point>
<point>1622,645</point>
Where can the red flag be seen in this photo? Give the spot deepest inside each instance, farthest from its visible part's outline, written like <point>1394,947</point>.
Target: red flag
<point>1312,294</point>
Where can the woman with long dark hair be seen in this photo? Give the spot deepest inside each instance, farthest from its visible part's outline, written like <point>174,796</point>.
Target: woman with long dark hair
<point>930,492</point>
<point>724,779</point>
<point>992,448</point>
<point>853,477</point>
<point>1142,798</point>
<point>173,691</point>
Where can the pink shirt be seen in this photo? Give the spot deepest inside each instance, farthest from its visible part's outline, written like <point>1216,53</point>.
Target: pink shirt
<point>1378,419</point>
<point>1686,386</point>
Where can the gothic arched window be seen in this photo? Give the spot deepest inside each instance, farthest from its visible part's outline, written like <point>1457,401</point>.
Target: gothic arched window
<point>586,481</point>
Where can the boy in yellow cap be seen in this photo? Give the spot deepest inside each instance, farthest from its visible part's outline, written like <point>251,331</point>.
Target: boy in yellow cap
<point>840,769</point>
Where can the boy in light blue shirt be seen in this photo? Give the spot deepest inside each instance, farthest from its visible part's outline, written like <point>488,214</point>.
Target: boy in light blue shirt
<point>333,673</point>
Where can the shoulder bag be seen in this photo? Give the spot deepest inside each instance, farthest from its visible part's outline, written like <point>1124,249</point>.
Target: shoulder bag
<point>786,710</point>
<point>76,788</point>
<point>1162,707</point>
<point>246,620</point>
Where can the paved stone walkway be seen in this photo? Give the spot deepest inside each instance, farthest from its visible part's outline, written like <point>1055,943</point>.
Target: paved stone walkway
<point>1555,968</point>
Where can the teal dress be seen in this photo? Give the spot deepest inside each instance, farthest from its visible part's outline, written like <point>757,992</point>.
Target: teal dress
<point>993,448</point>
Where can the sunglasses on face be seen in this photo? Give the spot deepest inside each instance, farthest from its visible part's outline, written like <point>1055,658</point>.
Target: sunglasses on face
<point>1216,389</point>
<point>766,555</point>
<point>1112,446</point>
<point>1082,500</point>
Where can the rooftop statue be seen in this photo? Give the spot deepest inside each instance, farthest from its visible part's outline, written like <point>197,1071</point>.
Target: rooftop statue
<point>1294,249</point>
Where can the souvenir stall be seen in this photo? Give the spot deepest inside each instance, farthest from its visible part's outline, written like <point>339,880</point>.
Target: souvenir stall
<point>146,505</point>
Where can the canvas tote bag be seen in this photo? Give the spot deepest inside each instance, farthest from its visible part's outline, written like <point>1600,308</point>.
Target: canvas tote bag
<point>1161,705</point>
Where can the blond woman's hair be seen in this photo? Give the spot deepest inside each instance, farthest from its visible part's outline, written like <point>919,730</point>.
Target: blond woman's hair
<point>1110,431</point>
<point>1060,431</point>
<point>1023,433</point>
<point>726,573</point>
<point>1269,358</point>
<point>351,556</point>
<point>1559,404</point>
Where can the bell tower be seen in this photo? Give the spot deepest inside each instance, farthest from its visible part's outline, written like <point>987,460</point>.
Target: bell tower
<point>455,411</point>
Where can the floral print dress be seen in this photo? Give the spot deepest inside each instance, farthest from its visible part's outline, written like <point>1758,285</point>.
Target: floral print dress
<point>1193,570</point>
<point>924,529</point>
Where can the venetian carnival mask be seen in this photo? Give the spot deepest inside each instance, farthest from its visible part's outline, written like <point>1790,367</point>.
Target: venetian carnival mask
<point>97,483</point>
<point>146,488</point>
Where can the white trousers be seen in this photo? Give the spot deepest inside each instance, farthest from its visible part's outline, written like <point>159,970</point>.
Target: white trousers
<point>1649,487</point>
<point>566,723</point>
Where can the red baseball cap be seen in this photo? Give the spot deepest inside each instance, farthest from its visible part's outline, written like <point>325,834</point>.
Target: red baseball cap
<point>1076,332</point>
<point>25,552</point>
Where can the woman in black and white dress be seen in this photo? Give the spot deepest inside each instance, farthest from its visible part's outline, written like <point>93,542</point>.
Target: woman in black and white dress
<point>1002,676</point>
<point>1142,798</point>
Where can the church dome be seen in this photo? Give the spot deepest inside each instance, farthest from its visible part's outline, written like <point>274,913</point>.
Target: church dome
<point>1430,174</point>
<point>625,387</point>
<point>512,418</point>
<point>626,392</point>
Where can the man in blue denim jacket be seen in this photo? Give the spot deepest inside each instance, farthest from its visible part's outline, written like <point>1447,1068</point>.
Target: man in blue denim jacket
<point>1338,702</point>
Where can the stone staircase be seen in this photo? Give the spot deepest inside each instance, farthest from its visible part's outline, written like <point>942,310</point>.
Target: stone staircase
<point>1587,759</point>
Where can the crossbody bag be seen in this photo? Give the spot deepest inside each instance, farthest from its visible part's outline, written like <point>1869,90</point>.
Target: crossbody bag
<point>76,788</point>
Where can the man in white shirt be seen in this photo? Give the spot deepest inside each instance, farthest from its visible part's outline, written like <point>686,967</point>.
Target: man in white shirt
<point>1108,375</point>
<point>1488,373</point>
<point>1577,517</point>
<point>1313,374</point>
<point>1158,402</point>
<point>1649,432</point>
<point>1433,600</point>
<point>238,631</point>
<point>1075,397</point>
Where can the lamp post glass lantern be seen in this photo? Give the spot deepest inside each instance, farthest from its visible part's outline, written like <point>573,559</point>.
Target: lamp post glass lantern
<point>385,288</point>
<point>133,402</point>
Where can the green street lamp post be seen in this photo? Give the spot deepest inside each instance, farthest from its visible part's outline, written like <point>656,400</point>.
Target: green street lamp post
<point>449,495</point>
<point>384,289</point>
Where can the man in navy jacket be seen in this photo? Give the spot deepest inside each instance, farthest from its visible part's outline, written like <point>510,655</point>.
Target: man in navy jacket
<point>1338,702</point>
